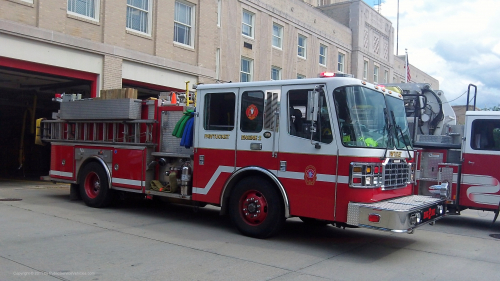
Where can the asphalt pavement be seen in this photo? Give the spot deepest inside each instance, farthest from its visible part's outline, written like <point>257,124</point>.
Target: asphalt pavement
<point>45,236</point>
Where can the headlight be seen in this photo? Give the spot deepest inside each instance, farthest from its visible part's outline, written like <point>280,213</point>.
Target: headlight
<point>368,181</point>
<point>365,175</point>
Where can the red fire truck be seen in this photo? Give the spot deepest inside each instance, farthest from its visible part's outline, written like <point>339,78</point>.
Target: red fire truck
<point>454,161</point>
<point>327,150</point>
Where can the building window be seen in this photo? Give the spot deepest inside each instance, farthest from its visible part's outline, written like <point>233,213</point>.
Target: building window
<point>375,74</point>
<point>217,63</point>
<point>277,35</point>
<point>246,70</point>
<point>302,44</point>
<point>275,73</point>
<point>300,76</point>
<point>341,62</point>
<point>365,70</point>
<point>322,54</point>
<point>219,11</point>
<point>138,16</point>
<point>183,23</point>
<point>247,23</point>
<point>86,8</point>
<point>386,76</point>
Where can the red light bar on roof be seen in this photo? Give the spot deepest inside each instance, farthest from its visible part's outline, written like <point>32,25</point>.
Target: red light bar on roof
<point>327,74</point>
<point>333,74</point>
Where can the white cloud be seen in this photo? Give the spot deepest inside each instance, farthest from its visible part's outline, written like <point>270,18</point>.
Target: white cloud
<point>455,41</point>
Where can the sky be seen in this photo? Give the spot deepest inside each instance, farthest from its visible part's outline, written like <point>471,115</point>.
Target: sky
<point>455,41</point>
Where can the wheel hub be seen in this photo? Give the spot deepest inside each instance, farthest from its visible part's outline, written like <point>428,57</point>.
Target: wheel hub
<point>97,185</point>
<point>253,206</point>
<point>92,185</point>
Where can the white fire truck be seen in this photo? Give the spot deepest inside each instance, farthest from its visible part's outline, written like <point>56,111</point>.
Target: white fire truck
<point>456,161</point>
<point>327,150</point>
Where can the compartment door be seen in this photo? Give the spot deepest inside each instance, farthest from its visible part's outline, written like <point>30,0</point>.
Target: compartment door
<point>215,142</point>
<point>128,168</point>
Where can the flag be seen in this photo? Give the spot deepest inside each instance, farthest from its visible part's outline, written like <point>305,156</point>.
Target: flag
<point>408,75</point>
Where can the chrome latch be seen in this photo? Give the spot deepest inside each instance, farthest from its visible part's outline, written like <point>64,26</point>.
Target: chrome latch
<point>282,166</point>
<point>256,146</point>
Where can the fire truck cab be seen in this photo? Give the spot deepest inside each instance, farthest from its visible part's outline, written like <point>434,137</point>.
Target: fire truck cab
<point>328,150</point>
<point>453,161</point>
<point>468,176</point>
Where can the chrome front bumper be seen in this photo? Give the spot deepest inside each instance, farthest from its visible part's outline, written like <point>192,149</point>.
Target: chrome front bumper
<point>401,215</point>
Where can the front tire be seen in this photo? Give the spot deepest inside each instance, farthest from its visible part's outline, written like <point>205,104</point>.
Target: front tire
<point>94,186</point>
<point>256,208</point>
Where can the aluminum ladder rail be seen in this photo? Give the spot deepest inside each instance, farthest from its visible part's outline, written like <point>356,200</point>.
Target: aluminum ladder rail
<point>99,131</point>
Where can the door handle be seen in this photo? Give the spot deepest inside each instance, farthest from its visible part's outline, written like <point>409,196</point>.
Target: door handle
<point>256,146</point>
<point>470,162</point>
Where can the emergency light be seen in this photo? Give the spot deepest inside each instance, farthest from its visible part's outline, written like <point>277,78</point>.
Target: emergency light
<point>327,74</point>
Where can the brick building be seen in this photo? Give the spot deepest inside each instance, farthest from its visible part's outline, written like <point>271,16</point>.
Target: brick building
<point>84,46</point>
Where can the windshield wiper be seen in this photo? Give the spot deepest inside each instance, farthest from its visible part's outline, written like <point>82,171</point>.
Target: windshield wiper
<point>397,127</point>
<point>388,128</point>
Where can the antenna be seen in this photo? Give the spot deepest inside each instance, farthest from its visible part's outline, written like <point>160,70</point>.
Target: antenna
<point>379,2</point>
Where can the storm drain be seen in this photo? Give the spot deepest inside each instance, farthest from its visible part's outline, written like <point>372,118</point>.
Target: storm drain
<point>10,199</point>
<point>497,236</point>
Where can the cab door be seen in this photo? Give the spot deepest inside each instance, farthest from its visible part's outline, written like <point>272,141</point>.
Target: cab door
<point>257,134</point>
<point>480,186</point>
<point>215,142</point>
<point>307,168</point>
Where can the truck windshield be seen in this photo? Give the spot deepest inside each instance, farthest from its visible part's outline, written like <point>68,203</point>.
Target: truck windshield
<point>398,117</point>
<point>361,117</point>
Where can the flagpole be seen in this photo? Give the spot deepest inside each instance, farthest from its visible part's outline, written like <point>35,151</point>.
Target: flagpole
<point>397,34</point>
<point>406,65</point>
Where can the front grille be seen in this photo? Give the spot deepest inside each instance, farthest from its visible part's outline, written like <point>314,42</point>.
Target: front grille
<point>395,174</point>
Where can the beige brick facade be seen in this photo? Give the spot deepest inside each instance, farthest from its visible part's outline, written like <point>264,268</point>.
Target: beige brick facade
<point>112,73</point>
<point>351,28</point>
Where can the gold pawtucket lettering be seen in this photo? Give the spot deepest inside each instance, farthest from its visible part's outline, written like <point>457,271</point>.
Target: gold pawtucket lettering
<point>217,136</point>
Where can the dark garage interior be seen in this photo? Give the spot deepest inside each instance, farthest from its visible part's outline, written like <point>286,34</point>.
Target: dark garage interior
<point>24,97</point>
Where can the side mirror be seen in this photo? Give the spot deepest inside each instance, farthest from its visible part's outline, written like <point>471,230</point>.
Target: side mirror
<point>312,112</point>
<point>312,106</point>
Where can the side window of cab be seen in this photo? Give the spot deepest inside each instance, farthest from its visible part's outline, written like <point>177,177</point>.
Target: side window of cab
<point>219,111</point>
<point>252,111</point>
<point>485,134</point>
<point>297,111</point>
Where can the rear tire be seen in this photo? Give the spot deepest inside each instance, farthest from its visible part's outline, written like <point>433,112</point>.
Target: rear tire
<point>94,186</point>
<point>256,208</point>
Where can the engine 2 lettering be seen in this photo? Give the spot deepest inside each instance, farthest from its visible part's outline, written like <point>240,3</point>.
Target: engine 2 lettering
<point>250,137</point>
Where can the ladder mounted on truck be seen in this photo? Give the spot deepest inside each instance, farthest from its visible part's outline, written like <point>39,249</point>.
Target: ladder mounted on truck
<point>130,132</point>
<point>98,121</point>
